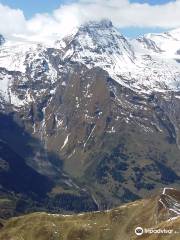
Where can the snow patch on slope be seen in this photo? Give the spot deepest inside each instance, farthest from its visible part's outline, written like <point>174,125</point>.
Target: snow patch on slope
<point>65,142</point>
<point>150,63</point>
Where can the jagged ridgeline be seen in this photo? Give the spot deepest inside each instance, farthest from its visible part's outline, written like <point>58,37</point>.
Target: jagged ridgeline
<point>92,119</point>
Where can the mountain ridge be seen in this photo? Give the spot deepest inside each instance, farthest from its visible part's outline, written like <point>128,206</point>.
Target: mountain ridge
<point>112,126</point>
<point>100,44</point>
<point>114,224</point>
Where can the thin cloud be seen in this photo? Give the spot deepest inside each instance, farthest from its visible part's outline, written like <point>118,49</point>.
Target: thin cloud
<point>62,20</point>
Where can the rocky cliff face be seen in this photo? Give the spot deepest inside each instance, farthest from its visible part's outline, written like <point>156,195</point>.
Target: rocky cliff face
<point>106,108</point>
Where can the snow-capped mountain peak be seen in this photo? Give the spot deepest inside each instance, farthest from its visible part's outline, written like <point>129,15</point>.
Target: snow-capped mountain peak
<point>99,44</point>
<point>168,42</point>
<point>136,64</point>
<point>149,63</point>
<point>103,24</point>
<point>97,38</point>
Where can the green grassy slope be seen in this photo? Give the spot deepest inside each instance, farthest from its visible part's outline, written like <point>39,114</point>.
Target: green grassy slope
<point>115,224</point>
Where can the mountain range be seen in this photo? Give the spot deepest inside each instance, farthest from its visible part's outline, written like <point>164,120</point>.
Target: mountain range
<point>89,121</point>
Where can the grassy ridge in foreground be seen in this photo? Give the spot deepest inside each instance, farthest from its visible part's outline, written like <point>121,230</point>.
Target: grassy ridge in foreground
<point>115,224</point>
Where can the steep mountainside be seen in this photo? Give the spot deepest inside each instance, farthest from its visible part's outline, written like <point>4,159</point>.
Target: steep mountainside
<point>101,113</point>
<point>22,188</point>
<point>159,213</point>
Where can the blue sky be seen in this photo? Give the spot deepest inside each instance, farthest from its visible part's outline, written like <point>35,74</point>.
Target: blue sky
<point>31,7</point>
<point>133,32</point>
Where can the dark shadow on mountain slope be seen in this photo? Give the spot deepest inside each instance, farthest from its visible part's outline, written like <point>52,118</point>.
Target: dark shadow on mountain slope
<point>23,187</point>
<point>16,175</point>
<point>20,141</point>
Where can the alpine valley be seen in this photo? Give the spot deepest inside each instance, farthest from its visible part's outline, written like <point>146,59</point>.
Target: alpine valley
<point>89,121</point>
